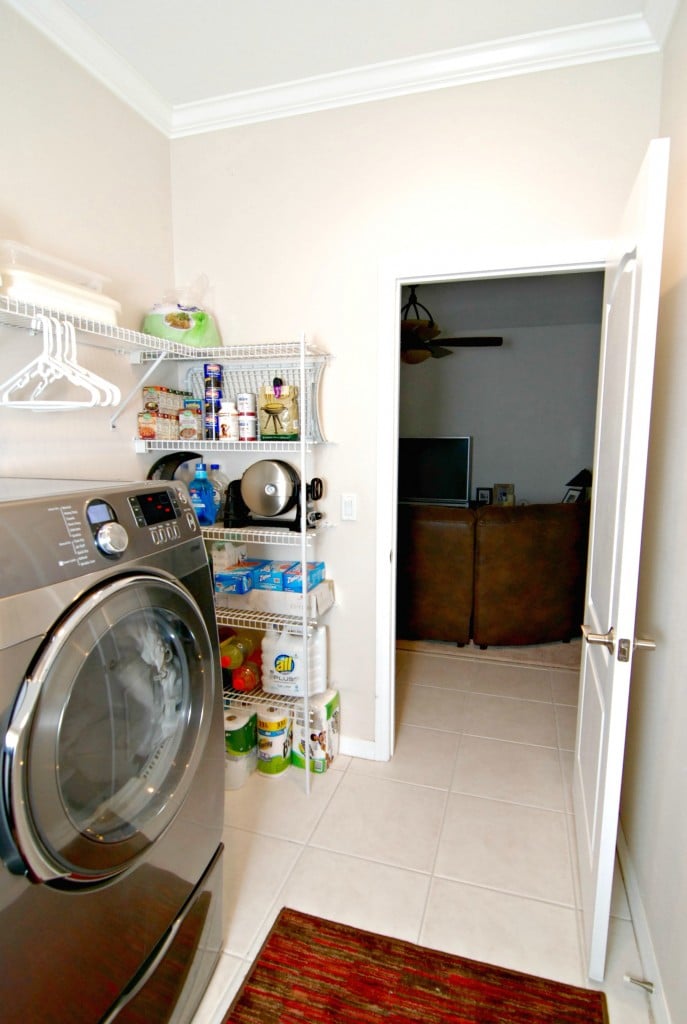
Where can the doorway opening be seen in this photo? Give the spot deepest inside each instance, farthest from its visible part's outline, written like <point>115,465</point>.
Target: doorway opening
<point>431,270</point>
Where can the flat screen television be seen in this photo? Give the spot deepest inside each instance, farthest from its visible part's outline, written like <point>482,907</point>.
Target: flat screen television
<point>435,470</point>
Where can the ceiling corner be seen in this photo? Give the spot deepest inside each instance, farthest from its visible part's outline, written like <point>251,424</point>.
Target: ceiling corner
<point>659,15</point>
<point>71,35</point>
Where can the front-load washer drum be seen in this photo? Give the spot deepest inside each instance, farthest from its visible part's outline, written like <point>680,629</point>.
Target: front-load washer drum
<point>108,729</point>
<point>270,487</point>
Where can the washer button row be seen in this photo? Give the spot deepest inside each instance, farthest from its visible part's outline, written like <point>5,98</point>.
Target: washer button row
<point>162,534</point>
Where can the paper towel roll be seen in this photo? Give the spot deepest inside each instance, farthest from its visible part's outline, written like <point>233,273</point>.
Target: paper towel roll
<point>274,740</point>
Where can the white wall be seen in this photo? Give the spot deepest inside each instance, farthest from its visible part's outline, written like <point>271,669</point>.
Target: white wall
<point>292,220</point>
<point>82,178</point>
<point>654,808</point>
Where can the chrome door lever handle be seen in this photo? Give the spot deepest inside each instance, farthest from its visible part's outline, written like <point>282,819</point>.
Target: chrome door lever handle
<point>605,639</point>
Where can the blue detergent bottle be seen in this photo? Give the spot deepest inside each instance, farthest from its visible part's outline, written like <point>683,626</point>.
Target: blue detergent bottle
<point>202,496</point>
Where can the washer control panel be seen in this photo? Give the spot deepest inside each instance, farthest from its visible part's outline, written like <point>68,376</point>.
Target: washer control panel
<point>165,515</point>
<point>70,534</point>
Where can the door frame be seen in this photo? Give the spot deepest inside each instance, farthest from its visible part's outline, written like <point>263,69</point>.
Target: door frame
<point>430,266</point>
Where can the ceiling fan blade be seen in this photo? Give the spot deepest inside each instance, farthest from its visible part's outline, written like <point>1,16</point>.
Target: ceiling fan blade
<point>438,352</point>
<point>483,342</point>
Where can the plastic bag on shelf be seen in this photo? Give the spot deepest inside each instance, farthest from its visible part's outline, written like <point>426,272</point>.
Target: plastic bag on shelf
<point>182,317</point>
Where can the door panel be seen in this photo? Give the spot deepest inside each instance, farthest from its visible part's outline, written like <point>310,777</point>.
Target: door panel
<point>622,431</point>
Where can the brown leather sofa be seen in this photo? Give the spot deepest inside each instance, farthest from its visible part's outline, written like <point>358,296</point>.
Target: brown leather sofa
<point>436,552</point>
<point>496,575</point>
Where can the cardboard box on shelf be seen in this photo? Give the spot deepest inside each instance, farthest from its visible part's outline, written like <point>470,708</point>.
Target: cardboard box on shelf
<point>293,577</point>
<point>281,602</point>
<point>155,426</point>
<point>256,566</point>
<point>234,581</point>
<point>157,398</point>
<point>270,575</point>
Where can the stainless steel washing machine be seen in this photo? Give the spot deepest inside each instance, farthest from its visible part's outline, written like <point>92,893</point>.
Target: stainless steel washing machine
<point>112,758</point>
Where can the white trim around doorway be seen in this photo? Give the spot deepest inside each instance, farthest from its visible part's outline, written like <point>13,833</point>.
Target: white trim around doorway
<point>434,265</point>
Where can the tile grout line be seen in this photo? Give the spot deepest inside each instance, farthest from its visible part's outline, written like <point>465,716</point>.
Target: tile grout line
<point>432,873</point>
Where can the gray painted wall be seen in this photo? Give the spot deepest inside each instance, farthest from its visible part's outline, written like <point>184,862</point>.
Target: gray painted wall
<point>530,405</point>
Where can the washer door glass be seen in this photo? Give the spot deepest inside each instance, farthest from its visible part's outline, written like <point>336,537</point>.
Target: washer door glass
<point>120,706</point>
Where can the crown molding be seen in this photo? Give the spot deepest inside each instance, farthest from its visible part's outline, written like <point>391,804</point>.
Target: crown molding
<point>628,36</point>
<point>542,51</point>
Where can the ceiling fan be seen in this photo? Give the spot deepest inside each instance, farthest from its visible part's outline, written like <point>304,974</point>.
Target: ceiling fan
<point>418,335</point>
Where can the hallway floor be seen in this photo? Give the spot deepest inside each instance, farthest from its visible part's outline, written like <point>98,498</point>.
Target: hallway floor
<point>462,842</point>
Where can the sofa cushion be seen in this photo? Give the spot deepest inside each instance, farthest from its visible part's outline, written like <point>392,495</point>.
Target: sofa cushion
<point>530,571</point>
<point>434,572</point>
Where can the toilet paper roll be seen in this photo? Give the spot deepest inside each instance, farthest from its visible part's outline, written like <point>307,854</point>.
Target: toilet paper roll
<point>239,767</point>
<point>274,740</point>
<point>240,730</point>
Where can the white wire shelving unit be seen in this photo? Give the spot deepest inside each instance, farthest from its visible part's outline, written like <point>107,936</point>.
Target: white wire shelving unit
<point>244,368</point>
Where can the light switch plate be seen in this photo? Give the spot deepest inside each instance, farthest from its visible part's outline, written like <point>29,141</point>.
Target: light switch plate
<point>349,507</point>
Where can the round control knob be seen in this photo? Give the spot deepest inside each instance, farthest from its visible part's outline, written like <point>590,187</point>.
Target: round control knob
<point>112,539</point>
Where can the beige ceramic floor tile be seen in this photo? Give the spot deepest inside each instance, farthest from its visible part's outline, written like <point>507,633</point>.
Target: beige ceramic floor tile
<point>221,989</point>
<point>433,670</point>
<point>279,806</point>
<point>520,681</point>
<point>362,847</point>
<point>566,724</point>
<point>500,718</point>
<point>360,893</point>
<point>567,762</point>
<point>516,849</point>
<point>565,687</point>
<point>389,822</point>
<point>516,772</point>
<point>430,707</point>
<point>424,757</point>
<point>497,928</point>
<point>255,868</point>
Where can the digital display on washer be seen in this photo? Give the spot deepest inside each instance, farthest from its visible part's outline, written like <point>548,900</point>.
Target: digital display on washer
<point>156,507</point>
<point>99,512</point>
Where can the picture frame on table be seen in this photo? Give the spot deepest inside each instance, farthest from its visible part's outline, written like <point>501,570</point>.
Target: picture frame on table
<point>484,495</point>
<point>504,494</point>
<point>573,495</point>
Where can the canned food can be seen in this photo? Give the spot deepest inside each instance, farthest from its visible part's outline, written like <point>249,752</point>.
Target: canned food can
<point>246,402</point>
<point>211,426</point>
<point>248,426</point>
<point>212,374</point>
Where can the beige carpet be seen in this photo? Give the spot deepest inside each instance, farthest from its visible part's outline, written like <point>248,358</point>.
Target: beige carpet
<point>556,655</point>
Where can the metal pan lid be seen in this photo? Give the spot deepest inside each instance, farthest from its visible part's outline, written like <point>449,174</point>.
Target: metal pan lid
<point>269,487</point>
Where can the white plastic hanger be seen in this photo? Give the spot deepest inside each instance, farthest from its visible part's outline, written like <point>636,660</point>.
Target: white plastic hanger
<point>52,365</point>
<point>111,394</point>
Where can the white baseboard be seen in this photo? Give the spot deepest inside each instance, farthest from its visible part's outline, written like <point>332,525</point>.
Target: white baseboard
<point>659,1009</point>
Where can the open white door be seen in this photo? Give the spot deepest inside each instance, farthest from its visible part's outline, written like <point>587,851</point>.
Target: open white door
<point>622,433</point>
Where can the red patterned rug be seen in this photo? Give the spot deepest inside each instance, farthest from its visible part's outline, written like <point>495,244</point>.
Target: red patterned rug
<point>318,972</point>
